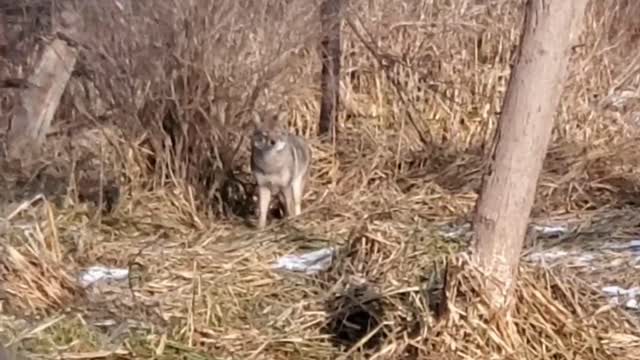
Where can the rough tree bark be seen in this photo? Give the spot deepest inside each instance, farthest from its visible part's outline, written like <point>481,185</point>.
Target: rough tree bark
<point>523,134</point>
<point>331,18</point>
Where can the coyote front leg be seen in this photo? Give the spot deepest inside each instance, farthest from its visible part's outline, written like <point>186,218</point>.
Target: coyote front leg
<point>264,198</point>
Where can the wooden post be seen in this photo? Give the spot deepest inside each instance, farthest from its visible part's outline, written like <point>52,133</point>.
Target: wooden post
<point>331,18</point>
<point>523,134</point>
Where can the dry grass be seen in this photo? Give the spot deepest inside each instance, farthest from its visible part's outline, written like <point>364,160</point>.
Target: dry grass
<point>167,90</point>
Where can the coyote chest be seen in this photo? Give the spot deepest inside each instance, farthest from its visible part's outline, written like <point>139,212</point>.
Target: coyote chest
<point>274,181</point>
<point>277,168</point>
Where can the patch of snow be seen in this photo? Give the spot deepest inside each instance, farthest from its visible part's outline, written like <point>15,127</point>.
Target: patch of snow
<point>551,230</point>
<point>97,273</point>
<point>629,296</point>
<point>310,263</point>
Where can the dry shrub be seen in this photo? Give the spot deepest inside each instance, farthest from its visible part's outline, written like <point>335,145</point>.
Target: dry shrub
<point>36,279</point>
<point>184,76</point>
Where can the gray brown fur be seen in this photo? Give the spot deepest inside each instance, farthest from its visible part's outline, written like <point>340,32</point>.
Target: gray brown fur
<point>9,354</point>
<point>280,163</point>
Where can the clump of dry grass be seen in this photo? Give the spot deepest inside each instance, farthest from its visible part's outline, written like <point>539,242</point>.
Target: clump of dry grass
<point>554,312</point>
<point>164,96</point>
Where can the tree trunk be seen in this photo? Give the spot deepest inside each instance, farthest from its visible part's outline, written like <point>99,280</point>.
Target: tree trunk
<point>523,134</point>
<point>4,42</point>
<point>39,102</point>
<point>330,14</point>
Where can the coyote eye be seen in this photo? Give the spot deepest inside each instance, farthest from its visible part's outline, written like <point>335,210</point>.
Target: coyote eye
<point>272,142</point>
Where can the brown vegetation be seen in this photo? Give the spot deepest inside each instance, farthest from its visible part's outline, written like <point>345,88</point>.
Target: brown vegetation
<point>156,112</point>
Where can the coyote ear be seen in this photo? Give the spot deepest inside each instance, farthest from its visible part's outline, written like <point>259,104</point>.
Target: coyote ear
<point>256,119</point>
<point>281,118</point>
